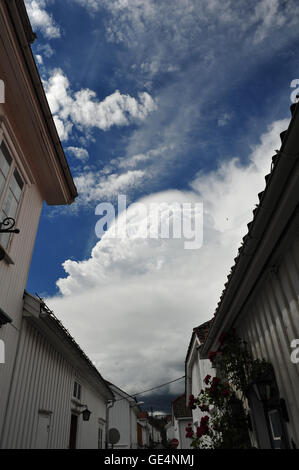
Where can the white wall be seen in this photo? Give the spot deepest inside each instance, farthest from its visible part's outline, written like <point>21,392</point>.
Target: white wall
<point>43,381</point>
<point>13,279</point>
<point>179,432</point>
<point>270,323</point>
<point>123,417</point>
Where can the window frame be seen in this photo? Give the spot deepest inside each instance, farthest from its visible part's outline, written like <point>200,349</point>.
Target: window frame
<point>77,387</point>
<point>16,164</point>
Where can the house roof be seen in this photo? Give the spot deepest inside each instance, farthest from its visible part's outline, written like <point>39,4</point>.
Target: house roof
<point>179,407</point>
<point>44,319</point>
<point>51,163</point>
<point>264,231</point>
<point>200,332</point>
<point>119,391</point>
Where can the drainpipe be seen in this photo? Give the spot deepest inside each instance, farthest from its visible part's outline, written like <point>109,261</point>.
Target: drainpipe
<point>110,404</point>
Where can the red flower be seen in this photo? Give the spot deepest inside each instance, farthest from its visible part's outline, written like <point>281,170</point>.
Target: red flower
<point>191,403</point>
<point>212,355</point>
<point>207,379</point>
<point>189,431</point>
<point>225,392</point>
<point>204,420</point>
<point>202,430</point>
<point>215,381</point>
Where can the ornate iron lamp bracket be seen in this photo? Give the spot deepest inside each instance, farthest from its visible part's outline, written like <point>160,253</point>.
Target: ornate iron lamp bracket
<point>7,226</point>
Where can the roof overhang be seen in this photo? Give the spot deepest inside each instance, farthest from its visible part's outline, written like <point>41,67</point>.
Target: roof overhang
<point>52,329</point>
<point>275,221</point>
<point>26,106</point>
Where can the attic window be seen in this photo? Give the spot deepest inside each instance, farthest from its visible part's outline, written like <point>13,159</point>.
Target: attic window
<point>77,391</point>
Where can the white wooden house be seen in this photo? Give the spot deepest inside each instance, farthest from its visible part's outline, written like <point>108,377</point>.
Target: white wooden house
<point>261,297</point>
<point>197,369</point>
<point>53,383</point>
<point>181,418</point>
<point>33,169</point>
<point>144,433</point>
<point>123,412</point>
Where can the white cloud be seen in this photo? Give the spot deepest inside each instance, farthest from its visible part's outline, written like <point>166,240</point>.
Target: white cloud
<point>141,158</point>
<point>94,186</point>
<point>79,152</point>
<point>85,111</point>
<point>41,19</point>
<point>141,298</point>
<point>39,59</point>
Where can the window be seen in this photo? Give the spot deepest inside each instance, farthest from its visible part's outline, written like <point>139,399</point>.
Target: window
<point>77,391</point>
<point>11,186</point>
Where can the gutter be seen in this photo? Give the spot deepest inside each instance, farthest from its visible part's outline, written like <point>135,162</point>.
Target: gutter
<point>17,10</point>
<point>262,237</point>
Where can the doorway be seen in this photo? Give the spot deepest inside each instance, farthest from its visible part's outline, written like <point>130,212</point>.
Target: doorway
<point>73,432</point>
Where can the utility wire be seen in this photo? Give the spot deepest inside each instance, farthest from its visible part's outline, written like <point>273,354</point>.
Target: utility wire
<point>151,389</point>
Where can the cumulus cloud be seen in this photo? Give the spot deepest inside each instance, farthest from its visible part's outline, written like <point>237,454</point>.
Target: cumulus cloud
<point>84,110</point>
<point>41,19</point>
<point>132,305</point>
<point>78,152</point>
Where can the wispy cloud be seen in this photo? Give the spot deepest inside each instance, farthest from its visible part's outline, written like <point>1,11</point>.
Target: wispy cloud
<point>93,186</point>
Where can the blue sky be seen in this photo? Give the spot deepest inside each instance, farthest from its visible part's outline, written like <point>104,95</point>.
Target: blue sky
<point>156,99</point>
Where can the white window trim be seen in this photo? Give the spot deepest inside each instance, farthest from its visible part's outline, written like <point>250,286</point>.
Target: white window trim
<point>19,163</point>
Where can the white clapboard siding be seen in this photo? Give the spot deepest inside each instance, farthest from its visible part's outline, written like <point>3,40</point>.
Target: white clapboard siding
<point>43,380</point>
<point>13,279</point>
<point>269,325</point>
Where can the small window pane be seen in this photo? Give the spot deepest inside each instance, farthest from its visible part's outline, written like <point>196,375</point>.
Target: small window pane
<point>5,159</point>
<point>2,183</point>
<point>10,205</point>
<point>16,185</point>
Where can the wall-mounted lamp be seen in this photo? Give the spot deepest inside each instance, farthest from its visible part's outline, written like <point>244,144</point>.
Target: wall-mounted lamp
<point>86,414</point>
